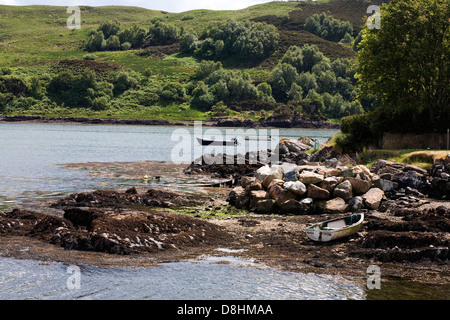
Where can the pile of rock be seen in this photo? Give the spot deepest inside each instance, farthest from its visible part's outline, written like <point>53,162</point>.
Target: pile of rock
<point>441,168</point>
<point>309,189</point>
<point>238,165</point>
<point>401,180</point>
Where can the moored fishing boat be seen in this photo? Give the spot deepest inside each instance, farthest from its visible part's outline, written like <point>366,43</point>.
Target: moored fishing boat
<point>336,228</point>
<point>206,142</point>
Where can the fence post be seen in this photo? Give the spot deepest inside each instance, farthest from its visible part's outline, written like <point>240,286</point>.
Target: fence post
<point>448,139</point>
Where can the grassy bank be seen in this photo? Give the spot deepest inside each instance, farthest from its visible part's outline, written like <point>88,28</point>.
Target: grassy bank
<point>36,46</point>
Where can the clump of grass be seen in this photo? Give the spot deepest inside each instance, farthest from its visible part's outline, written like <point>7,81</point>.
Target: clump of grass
<point>212,212</point>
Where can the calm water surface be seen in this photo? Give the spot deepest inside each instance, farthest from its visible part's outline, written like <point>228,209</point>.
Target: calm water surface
<point>31,154</point>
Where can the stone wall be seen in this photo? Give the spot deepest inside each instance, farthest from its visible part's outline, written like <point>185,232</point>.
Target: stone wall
<point>414,141</point>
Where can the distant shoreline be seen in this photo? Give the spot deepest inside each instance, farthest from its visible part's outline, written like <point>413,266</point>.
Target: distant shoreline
<point>305,124</point>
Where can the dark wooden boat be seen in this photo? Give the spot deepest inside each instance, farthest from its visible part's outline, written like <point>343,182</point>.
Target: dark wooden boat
<point>206,142</point>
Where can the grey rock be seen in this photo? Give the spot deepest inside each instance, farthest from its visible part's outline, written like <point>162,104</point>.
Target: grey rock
<point>385,185</point>
<point>343,190</point>
<point>356,204</point>
<point>296,187</point>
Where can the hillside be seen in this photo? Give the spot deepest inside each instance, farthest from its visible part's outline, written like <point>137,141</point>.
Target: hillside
<point>35,43</point>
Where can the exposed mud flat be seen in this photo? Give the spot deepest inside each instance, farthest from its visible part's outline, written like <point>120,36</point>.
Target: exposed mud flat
<point>141,226</point>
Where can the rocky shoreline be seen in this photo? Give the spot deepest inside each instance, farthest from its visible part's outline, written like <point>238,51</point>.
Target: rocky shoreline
<point>406,230</point>
<point>238,123</point>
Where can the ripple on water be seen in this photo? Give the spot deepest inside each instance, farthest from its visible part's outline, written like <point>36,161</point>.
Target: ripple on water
<point>199,279</point>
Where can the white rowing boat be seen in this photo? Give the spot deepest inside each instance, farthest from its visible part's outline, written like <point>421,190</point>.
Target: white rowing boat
<point>336,228</point>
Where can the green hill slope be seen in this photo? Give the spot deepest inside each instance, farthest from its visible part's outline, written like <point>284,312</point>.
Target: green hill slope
<point>36,43</point>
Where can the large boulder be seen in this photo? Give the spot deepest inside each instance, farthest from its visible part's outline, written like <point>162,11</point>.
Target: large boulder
<point>330,183</point>
<point>254,185</point>
<point>359,186</point>
<point>238,197</point>
<point>291,175</point>
<point>278,182</point>
<point>246,181</point>
<point>362,169</point>
<point>336,205</point>
<point>309,177</point>
<point>356,204</point>
<point>372,198</point>
<point>343,190</point>
<point>296,187</point>
<point>267,173</point>
<point>293,206</point>
<point>317,193</point>
<point>280,194</point>
<point>410,179</point>
<point>256,196</point>
<point>385,185</point>
<point>264,206</point>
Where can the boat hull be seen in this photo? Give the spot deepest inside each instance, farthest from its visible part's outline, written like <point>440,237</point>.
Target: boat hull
<point>319,234</point>
<point>204,142</point>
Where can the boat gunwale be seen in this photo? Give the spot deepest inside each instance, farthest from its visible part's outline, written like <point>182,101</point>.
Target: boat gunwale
<point>358,222</point>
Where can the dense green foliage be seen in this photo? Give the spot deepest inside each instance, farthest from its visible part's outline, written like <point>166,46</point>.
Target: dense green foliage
<point>404,67</point>
<point>111,36</point>
<point>306,71</point>
<point>173,66</point>
<point>244,40</point>
<point>329,28</point>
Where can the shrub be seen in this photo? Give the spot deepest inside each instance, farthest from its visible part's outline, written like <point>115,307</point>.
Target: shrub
<point>100,103</point>
<point>187,17</point>
<point>90,57</point>
<point>95,42</point>
<point>188,42</point>
<point>109,28</point>
<point>123,82</point>
<point>173,91</point>
<point>113,43</point>
<point>163,34</point>
<point>202,98</point>
<point>125,46</point>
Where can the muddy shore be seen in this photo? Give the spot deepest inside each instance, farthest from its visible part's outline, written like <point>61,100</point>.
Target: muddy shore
<point>237,123</point>
<point>161,223</point>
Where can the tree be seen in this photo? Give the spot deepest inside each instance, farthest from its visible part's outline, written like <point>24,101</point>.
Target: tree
<point>294,57</point>
<point>311,56</point>
<point>109,28</point>
<point>202,98</point>
<point>123,82</point>
<point>206,68</point>
<point>296,92</point>
<point>326,81</point>
<point>135,35</point>
<point>95,42</point>
<point>113,43</point>
<point>265,92</point>
<point>405,65</point>
<point>188,42</point>
<point>307,81</point>
<point>163,34</point>
<point>173,91</point>
<point>283,78</point>
<point>246,40</point>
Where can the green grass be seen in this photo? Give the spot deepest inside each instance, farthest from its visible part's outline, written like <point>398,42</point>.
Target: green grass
<point>420,158</point>
<point>35,39</point>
